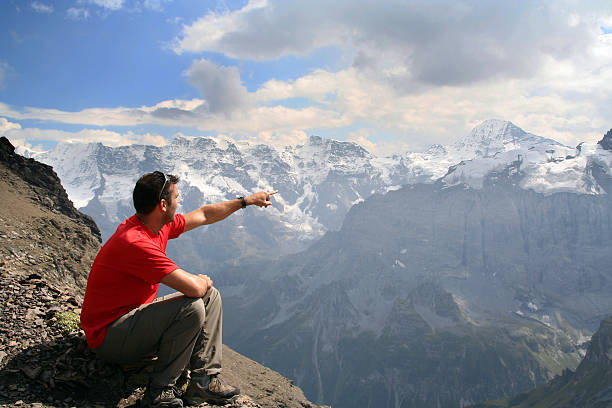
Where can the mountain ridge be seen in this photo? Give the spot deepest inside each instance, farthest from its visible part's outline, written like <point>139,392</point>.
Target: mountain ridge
<point>318,181</point>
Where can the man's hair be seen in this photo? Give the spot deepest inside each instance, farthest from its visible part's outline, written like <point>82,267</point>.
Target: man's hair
<point>148,191</point>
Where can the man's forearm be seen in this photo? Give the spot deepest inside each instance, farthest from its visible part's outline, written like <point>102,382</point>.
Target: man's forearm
<point>211,213</point>
<point>219,211</point>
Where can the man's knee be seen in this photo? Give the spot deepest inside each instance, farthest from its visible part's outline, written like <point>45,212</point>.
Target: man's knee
<point>195,310</point>
<point>212,297</point>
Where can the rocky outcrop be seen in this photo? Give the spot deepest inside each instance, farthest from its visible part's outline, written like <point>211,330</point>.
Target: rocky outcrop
<point>40,231</point>
<point>45,361</point>
<point>606,142</point>
<point>44,182</point>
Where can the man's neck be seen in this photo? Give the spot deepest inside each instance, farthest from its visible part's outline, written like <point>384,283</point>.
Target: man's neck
<point>148,222</point>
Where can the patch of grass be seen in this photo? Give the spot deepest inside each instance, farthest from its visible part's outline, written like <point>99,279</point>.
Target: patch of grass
<point>67,322</point>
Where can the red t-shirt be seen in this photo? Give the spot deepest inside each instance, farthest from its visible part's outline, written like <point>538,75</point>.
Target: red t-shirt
<point>126,274</point>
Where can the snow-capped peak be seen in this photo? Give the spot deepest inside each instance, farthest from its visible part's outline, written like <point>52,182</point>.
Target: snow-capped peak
<point>494,136</point>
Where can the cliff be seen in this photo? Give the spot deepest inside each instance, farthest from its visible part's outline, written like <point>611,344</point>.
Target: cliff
<point>46,249</point>
<point>590,386</point>
<point>606,142</point>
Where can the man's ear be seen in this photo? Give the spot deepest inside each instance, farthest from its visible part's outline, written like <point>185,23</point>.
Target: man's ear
<point>163,205</point>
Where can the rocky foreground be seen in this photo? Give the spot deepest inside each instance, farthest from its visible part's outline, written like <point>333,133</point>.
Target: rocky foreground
<point>46,363</point>
<point>46,249</point>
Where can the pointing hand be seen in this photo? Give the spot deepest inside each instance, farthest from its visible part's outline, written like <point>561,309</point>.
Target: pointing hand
<point>261,199</point>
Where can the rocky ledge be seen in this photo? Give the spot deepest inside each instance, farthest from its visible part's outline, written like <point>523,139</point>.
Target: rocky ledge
<point>45,361</point>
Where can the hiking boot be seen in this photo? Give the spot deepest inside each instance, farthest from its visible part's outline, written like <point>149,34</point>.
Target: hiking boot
<point>208,389</point>
<point>158,397</point>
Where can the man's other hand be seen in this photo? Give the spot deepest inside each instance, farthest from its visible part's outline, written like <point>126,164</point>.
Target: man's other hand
<point>261,199</point>
<point>207,281</point>
<point>188,284</point>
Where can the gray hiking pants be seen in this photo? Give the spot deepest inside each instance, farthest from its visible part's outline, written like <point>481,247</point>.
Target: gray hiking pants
<point>184,333</point>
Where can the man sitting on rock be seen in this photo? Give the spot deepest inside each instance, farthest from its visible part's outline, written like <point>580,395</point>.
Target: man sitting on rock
<point>123,321</point>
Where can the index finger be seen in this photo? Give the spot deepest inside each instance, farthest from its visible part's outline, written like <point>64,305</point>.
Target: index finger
<point>272,192</point>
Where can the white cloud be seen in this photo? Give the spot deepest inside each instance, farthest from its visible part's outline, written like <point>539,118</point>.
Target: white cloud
<point>207,32</point>
<point>567,101</point>
<point>108,4</point>
<point>411,44</point>
<point>22,146</point>
<point>381,148</point>
<point>267,120</point>
<point>109,138</point>
<point>5,125</point>
<point>220,86</point>
<point>41,7</point>
<point>155,5</point>
<point>77,13</point>
<point>421,73</point>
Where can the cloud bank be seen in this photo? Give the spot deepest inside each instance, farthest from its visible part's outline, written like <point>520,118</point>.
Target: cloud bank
<point>417,42</point>
<point>417,72</point>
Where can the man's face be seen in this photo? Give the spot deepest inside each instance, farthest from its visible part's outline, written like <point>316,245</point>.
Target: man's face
<point>172,204</point>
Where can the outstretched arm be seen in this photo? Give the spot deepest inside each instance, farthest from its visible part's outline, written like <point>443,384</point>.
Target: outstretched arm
<point>211,213</point>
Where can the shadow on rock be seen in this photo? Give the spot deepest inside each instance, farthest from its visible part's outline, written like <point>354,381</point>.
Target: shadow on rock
<point>65,372</point>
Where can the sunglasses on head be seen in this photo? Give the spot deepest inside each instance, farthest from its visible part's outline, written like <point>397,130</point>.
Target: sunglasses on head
<point>164,186</point>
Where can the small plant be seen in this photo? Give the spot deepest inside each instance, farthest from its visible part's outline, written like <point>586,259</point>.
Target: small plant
<point>67,322</point>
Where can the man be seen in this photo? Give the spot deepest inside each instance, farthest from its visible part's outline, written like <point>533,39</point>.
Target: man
<point>123,321</point>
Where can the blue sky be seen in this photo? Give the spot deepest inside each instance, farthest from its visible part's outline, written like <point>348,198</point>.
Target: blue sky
<point>392,76</point>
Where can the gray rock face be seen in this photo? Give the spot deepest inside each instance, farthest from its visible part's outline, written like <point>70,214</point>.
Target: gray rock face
<point>43,178</point>
<point>606,142</point>
<point>433,295</point>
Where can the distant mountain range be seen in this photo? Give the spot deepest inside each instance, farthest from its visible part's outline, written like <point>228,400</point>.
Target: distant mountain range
<point>465,273</point>
<point>432,296</point>
<point>318,182</point>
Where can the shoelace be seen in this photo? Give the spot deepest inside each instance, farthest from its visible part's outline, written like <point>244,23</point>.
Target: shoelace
<point>168,394</point>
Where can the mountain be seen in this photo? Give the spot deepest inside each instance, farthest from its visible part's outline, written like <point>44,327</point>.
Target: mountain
<point>440,294</point>
<point>318,182</point>
<point>495,136</point>
<point>431,296</point>
<point>47,248</point>
<point>606,142</point>
<point>587,387</point>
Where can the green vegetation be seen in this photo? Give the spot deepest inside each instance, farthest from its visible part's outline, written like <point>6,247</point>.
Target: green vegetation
<point>67,322</point>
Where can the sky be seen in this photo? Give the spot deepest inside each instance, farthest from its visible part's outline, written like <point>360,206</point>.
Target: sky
<point>391,75</point>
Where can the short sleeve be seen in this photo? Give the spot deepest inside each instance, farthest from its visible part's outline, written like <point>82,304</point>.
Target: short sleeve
<point>148,262</point>
<point>176,227</point>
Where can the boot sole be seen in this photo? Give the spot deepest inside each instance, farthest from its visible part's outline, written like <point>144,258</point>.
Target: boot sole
<point>210,399</point>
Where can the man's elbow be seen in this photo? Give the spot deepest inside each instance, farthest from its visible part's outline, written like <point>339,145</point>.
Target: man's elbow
<point>194,292</point>
<point>196,288</point>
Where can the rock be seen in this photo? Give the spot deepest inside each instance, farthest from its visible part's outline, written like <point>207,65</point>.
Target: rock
<point>606,142</point>
<point>31,373</point>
